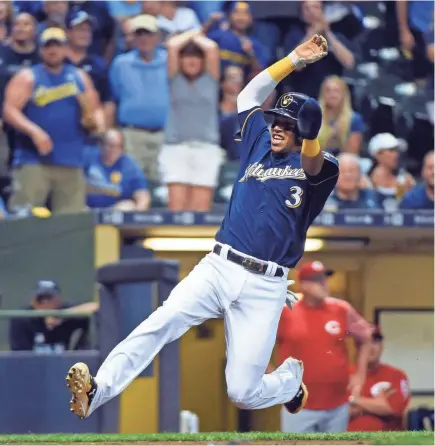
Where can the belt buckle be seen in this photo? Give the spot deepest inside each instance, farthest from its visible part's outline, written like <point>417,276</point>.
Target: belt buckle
<point>252,266</point>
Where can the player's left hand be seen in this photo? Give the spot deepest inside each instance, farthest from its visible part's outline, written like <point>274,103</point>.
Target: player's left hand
<point>309,119</point>
<point>291,297</point>
<point>310,51</point>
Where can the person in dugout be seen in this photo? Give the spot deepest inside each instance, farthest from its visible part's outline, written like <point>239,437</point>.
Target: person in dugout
<point>384,397</point>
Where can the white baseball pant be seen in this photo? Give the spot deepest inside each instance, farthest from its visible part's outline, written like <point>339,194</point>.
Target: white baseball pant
<point>250,305</point>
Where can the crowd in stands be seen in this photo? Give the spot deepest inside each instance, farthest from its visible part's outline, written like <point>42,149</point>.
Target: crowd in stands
<point>132,104</point>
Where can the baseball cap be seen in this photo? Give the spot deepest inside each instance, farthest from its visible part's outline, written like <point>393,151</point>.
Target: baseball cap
<point>146,22</point>
<point>385,141</point>
<point>53,35</point>
<point>312,270</point>
<point>47,288</point>
<point>78,17</point>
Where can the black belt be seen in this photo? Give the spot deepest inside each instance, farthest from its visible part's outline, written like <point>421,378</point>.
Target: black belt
<point>249,264</point>
<point>145,129</point>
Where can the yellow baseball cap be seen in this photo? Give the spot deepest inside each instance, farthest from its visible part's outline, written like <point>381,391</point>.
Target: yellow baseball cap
<point>144,21</point>
<point>52,34</point>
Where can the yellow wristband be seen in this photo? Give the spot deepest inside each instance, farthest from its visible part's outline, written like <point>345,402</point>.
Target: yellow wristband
<point>281,69</point>
<point>310,147</point>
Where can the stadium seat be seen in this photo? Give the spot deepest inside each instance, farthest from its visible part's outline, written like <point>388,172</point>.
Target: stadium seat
<point>159,194</point>
<point>227,177</point>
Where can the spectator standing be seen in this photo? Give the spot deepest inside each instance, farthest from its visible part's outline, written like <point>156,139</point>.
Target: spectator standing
<point>314,332</point>
<point>121,12</point>
<point>388,178</point>
<point>50,105</point>
<point>140,86</point>
<point>103,31</point>
<point>48,334</point>
<point>342,128</point>
<point>422,195</point>
<point>127,36</point>
<point>384,397</point>
<point>114,179</point>
<point>236,46</point>
<point>348,193</point>
<point>340,55</point>
<point>79,33</point>
<point>55,14</point>
<point>191,158</point>
<point>414,19</point>
<point>32,7</point>
<point>231,85</point>
<point>21,51</point>
<point>6,17</point>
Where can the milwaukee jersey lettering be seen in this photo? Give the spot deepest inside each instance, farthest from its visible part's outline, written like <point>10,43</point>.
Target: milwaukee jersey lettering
<point>274,201</point>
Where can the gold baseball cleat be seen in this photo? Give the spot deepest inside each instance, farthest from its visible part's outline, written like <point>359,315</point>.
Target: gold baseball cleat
<point>83,388</point>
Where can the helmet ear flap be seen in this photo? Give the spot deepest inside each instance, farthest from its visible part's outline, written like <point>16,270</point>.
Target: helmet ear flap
<point>298,137</point>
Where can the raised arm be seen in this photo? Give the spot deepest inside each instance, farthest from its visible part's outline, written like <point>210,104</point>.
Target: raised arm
<point>174,45</point>
<point>211,51</point>
<point>257,91</point>
<point>93,118</point>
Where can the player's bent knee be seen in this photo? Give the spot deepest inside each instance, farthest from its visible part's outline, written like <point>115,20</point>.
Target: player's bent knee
<point>242,396</point>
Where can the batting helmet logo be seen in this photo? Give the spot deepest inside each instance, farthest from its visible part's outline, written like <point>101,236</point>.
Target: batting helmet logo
<point>286,100</point>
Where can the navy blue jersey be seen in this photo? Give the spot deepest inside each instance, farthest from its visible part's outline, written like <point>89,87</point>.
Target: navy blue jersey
<point>274,201</point>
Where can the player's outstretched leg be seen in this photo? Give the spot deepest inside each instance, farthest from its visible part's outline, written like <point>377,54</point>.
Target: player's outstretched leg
<point>191,302</point>
<point>250,328</point>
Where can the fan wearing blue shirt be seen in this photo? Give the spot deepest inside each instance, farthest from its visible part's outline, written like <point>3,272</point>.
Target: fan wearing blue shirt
<point>114,179</point>
<point>236,47</point>
<point>348,193</point>
<point>79,31</point>
<point>422,195</point>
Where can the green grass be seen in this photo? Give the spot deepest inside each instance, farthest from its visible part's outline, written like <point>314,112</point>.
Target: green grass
<point>379,438</point>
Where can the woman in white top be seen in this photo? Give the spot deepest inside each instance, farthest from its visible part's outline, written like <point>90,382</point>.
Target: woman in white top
<point>191,157</point>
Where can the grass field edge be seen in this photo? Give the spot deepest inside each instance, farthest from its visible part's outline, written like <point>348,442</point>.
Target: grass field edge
<point>378,438</point>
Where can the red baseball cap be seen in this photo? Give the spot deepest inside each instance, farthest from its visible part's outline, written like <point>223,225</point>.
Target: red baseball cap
<point>312,270</point>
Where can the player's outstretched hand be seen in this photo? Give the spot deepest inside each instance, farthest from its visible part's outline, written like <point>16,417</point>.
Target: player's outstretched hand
<point>309,119</point>
<point>310,51</point>
<point>291,297</point>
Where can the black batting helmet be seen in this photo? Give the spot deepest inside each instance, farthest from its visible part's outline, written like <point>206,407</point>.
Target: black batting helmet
<point>288,106</point>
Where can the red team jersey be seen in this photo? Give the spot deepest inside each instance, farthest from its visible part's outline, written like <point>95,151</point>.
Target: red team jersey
<point>316,335</point>
<point>382,378</point>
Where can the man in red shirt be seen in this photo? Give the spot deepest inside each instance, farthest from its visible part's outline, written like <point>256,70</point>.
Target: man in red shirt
<point>384,395</point>
<point>314,332</point>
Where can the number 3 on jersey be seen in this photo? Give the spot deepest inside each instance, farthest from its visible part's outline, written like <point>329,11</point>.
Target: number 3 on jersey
<point>295,197</point>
